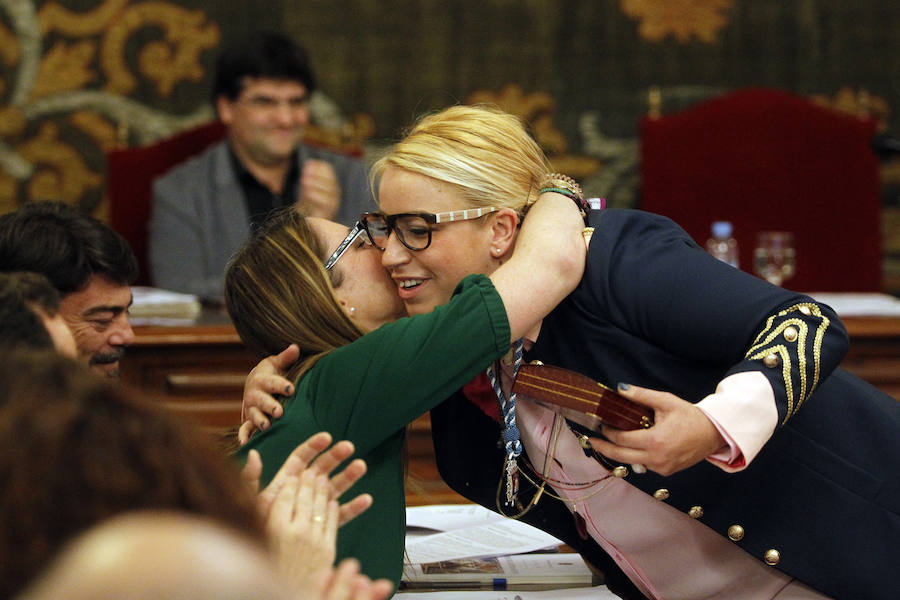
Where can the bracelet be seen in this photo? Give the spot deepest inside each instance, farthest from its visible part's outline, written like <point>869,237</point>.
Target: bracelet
<point>568,187</point>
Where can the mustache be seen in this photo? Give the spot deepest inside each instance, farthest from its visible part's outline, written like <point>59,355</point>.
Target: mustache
<point>104,358</point>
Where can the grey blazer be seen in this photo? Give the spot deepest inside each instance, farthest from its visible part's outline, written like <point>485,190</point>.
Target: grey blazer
<point>200,218</point>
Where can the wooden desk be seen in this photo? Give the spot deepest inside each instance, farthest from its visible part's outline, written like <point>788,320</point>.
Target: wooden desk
<point>875,351</point>
<point>195,369</point>
<point>199,370</point>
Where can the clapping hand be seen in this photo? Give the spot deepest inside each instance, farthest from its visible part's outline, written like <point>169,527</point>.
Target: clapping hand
<point>312,456</point>
<point>320,192</point>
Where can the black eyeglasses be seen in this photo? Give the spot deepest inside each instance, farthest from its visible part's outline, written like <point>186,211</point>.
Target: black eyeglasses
<point>355,232</point>
<point>413,229</point>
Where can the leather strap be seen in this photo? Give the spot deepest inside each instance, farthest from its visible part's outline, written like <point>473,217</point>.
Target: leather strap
<point>580,398</point>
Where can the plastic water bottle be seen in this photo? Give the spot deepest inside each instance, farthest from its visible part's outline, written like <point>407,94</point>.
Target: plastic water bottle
<point>722,245</point>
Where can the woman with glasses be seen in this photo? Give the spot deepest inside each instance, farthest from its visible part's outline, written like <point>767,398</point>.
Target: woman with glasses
<point>760,443</point>
<point>307,281</point>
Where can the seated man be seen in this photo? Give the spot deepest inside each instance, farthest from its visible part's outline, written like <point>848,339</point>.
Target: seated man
<point>204,209</point>
<point>90,265</point>
<point>29,315</point>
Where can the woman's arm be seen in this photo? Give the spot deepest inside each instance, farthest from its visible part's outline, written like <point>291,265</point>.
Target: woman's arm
<point>656,284</point>
<point>547,264</point>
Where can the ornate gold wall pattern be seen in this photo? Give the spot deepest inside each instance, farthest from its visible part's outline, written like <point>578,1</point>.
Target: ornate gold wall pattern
<point>683,19</point>
<point>166,62</point>
<point>65,83</point>
<point>538,110</point>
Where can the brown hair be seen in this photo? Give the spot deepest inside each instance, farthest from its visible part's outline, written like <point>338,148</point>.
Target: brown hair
<point>77,449</point>
<point>278,293</point>
<point>22,295</point>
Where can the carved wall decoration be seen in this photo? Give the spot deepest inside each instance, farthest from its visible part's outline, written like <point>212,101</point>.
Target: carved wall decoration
<point>683,19</point>
<point>65,87</point>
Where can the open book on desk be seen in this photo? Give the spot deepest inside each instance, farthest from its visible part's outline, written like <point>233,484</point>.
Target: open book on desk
<point>600,592</point>
<point>467,547</point>
<point>468,531</point>
<point>513,572</point>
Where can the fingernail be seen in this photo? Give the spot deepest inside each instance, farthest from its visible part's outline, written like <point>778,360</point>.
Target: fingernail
<point>624,387</point>
<point>288,390</point>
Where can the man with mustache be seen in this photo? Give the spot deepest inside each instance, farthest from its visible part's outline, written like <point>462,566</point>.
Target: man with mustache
<point>90,265</point>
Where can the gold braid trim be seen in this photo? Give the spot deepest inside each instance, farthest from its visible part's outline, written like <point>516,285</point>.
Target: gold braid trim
<point>785,355</point>
<point>761,347</point>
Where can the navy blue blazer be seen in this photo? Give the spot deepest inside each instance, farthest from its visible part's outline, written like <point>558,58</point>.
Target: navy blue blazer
<point>821,501</point>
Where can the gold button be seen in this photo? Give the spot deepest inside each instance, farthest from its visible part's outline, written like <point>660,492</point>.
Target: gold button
<point>771,360</point>
<point>735,533</point>
<point>661,494</point>
<point>620,472</point>
<point>772,557</point>
<point>696,512</point>
<point>805,310</point>
<point>790,334</point>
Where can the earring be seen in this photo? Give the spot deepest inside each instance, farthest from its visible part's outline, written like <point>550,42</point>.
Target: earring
<point>496,250</point>
<point>352,310</point>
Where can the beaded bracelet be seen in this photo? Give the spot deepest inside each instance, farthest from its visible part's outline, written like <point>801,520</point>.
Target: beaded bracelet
<point>568,187</point>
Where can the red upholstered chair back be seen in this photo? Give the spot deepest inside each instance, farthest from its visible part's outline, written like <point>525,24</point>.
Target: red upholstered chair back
<point>768,160</point>
<point>129,178</point>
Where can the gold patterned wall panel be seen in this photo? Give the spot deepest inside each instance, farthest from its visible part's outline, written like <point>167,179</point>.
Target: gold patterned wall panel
<point>76,76</point>
<point>683,19</point>
<point>75,81</point>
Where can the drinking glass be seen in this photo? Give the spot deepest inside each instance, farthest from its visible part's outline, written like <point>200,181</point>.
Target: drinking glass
<point>774,257</point>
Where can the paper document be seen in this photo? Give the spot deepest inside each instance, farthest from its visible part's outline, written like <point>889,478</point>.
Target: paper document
<point>583,593</point>
<point>860,304</point>
<point>493,539</point>
<point>157,306</point>
<point>447,517</point>
<point>520,571</point>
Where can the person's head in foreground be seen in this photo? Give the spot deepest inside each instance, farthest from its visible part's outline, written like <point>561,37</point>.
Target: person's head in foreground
<point>159,555</point>
<point>464,157</point>
<point>78,449</point>
<point>29,315</point>
<point>90,265</point>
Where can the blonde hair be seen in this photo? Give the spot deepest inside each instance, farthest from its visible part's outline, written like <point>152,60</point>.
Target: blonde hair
<point>278,292</point>
<point>485,153</point>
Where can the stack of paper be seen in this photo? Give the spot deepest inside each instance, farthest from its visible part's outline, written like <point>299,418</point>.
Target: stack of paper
<point>513,572</point>
<point>152,304</point>
<point>469,547</point>
<point>600,592</point>
<point>849,304</point>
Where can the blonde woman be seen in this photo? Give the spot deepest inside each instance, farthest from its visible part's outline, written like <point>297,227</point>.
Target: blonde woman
<point>311,283</point>
<point>735,490</point>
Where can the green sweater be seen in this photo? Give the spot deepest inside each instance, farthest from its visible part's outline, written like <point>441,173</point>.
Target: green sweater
<point>368,391</point>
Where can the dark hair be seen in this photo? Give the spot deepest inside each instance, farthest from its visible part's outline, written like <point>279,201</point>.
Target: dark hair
<point>77,450</point>
<point>65,245</point>
<point>20,295</point>
<point>265,54</point>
